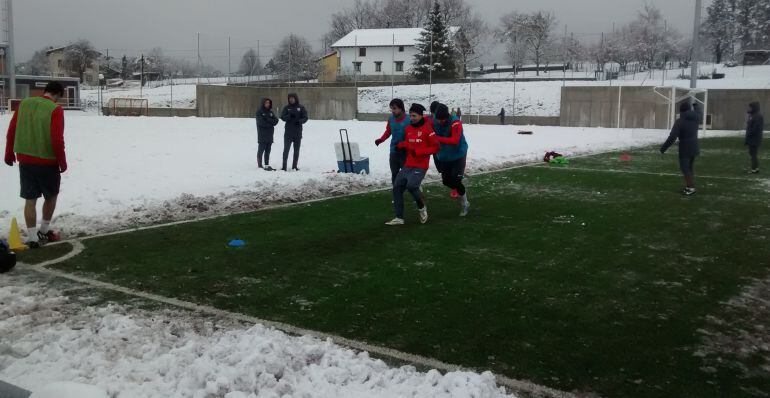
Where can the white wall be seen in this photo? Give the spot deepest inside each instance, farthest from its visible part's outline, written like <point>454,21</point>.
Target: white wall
<point>348,55</point>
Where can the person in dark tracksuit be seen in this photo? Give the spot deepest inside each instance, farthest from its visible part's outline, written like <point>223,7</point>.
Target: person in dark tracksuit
<point>453,150</point>
<point>295,115</point>
<point>754,131</point>
<point>396,129</point>
<point>266,122</point>
<point>686,131</point>
<point>502,116</point>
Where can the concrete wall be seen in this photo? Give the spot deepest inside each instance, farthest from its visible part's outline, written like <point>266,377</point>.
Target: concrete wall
<point>327,103</point>
<point>640,107</point>
<point>491,120</point>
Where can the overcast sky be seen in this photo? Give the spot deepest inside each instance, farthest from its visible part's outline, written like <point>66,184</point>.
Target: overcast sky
<point>133,26</point>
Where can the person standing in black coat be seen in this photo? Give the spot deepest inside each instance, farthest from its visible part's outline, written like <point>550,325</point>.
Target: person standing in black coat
<point>295,115</point>
<point>502,116</point>
<point>266,122</point>
<point>686,131</point>
<point>754,131</point>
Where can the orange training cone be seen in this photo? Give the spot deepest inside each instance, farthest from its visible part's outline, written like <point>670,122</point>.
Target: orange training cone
<point>14,239</point>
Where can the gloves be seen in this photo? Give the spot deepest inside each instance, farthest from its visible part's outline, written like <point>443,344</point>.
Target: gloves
<point>378,141</point>
<point>402,145</point>
<point>10,159</point>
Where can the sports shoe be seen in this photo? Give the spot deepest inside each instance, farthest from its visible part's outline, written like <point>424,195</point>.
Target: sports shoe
<point>294,169</point>
<point>753,171</point>
<point>454,194</point>
<point>424,215</point>
<point>268,168</point>
<point>49,236</point>
<point>33,244</point>
<point>395,221</point>
<point>466,207</point>
<point>688,191</point>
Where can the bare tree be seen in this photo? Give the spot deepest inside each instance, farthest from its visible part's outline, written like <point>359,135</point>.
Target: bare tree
<point>39,64</point>
<point>512,33</point>
<point>294,58</point>
<point>648,37</point>
<point>250,63</point>
<point>79,57</point>
<point>619,47</point>
<point>534,30</point>
<point>471,39</point>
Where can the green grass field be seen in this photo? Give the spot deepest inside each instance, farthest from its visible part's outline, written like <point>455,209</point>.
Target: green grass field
<point>597,277</point>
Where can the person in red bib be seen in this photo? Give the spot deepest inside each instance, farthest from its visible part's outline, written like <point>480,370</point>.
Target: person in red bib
<point>420,142</point>
<point>35,140</point>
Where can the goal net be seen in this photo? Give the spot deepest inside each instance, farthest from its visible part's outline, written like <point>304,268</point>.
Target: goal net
<point>676,95</point>
<point>128,107</point>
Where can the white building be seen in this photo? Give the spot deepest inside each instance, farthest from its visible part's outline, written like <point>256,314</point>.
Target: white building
<point>380,54</point>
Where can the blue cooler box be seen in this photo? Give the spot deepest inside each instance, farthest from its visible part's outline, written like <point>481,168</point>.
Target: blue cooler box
<point>359,166</point>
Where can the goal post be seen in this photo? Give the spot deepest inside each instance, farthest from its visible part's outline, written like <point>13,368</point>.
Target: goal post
<point>128,107</point>
<point>675,95</point>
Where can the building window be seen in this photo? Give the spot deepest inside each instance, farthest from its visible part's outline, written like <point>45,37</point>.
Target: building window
<point>378,66</point>
<point>400,49</point>
<point>362,52</point>
<point>357,66</point>
<point>399,66</point>
<point>60,63</point>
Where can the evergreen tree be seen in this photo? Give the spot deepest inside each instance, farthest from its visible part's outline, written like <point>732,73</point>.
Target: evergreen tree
<point>435,51</point>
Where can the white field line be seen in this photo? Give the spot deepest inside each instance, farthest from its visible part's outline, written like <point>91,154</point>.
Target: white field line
<point>521,386</point>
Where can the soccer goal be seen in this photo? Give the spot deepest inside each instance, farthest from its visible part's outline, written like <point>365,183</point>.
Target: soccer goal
<point>128,107</point>
<point>673,96</point>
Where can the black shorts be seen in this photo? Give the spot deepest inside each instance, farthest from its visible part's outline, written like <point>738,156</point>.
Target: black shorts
<point>451,169</point>
<point>37,181</point>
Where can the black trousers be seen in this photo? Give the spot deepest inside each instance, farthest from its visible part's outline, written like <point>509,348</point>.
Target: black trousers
<point>287,143</point>
<point>397,161</point>
<point>754,153</point>
<point>452,174</point>
<point>263,151</point>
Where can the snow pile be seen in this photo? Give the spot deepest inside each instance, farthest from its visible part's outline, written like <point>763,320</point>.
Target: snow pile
<point>69,390</point>
<point>129,172</point>
<point>47,337</point>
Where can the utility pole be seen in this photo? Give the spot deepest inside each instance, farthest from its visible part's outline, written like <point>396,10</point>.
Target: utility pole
<point>430,71</point>
<point>141,78</point>
<point>229,72</point>
<point>199,58</point>
<point>695,45</point>
<point>10,50</point>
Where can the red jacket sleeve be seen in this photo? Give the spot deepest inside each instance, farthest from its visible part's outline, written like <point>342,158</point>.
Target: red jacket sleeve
<point>454,138</point>
<point>10,139</point>
<point>57,137</point>
<point>430,146</point>
<point>387,133</point>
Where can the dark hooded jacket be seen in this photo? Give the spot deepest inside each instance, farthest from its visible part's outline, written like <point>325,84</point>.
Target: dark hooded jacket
<point>686,131</point>
<point>266,121</point>
<point>755,125</point>
<point>294,116</point>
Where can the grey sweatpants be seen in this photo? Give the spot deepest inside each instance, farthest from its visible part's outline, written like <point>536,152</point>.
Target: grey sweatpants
<point>408,179</point>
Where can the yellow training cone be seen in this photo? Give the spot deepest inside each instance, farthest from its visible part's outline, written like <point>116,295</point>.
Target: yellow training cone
<point>14,240</point>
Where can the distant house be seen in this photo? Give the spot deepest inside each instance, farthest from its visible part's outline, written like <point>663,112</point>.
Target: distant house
<point>330,65</point>
<point>33,86</point>
<point>377,54</point>
<point>58,67</point>
<point>756,57</point>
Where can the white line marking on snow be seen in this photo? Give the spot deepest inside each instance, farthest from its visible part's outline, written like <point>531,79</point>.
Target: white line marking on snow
<point>586,169</point>
<point>521,386</point>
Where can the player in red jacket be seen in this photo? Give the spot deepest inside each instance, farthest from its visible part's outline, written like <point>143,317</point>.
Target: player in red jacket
<point>420,143</point>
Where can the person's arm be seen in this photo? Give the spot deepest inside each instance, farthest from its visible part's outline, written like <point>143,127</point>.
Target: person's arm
<point>385,135</point>
<point>672,137</point>
<point>10,140</point>
<point>430,147</point>
<point>57,138</point>
<point>285,116</point>
<point>456,134</point>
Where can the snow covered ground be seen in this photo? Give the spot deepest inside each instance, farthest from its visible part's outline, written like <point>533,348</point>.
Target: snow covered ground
<point>543,98</point>
<point>52,331</point>
<point>126,172</point>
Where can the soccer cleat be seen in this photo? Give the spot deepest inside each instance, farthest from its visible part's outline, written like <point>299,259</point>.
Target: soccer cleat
<point>395,221</point>
<point>49,236</point>
<point>424,215</point>
<point>466,208</point>
<point>754,171</point>
<point>688,191</point>
<point>454,194</point>
<point>268,168</point>
<point>295,169</point>
<point>33,244</point>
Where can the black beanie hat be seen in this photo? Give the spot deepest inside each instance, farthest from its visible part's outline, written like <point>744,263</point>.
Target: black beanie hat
<point>417,108</point>
<point>684,106</point>
<point>442,112</point>
<point>398,103</point>
<point>433,106</point>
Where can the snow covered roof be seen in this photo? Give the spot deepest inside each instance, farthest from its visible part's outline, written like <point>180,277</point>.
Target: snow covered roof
<point>382,37</point>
